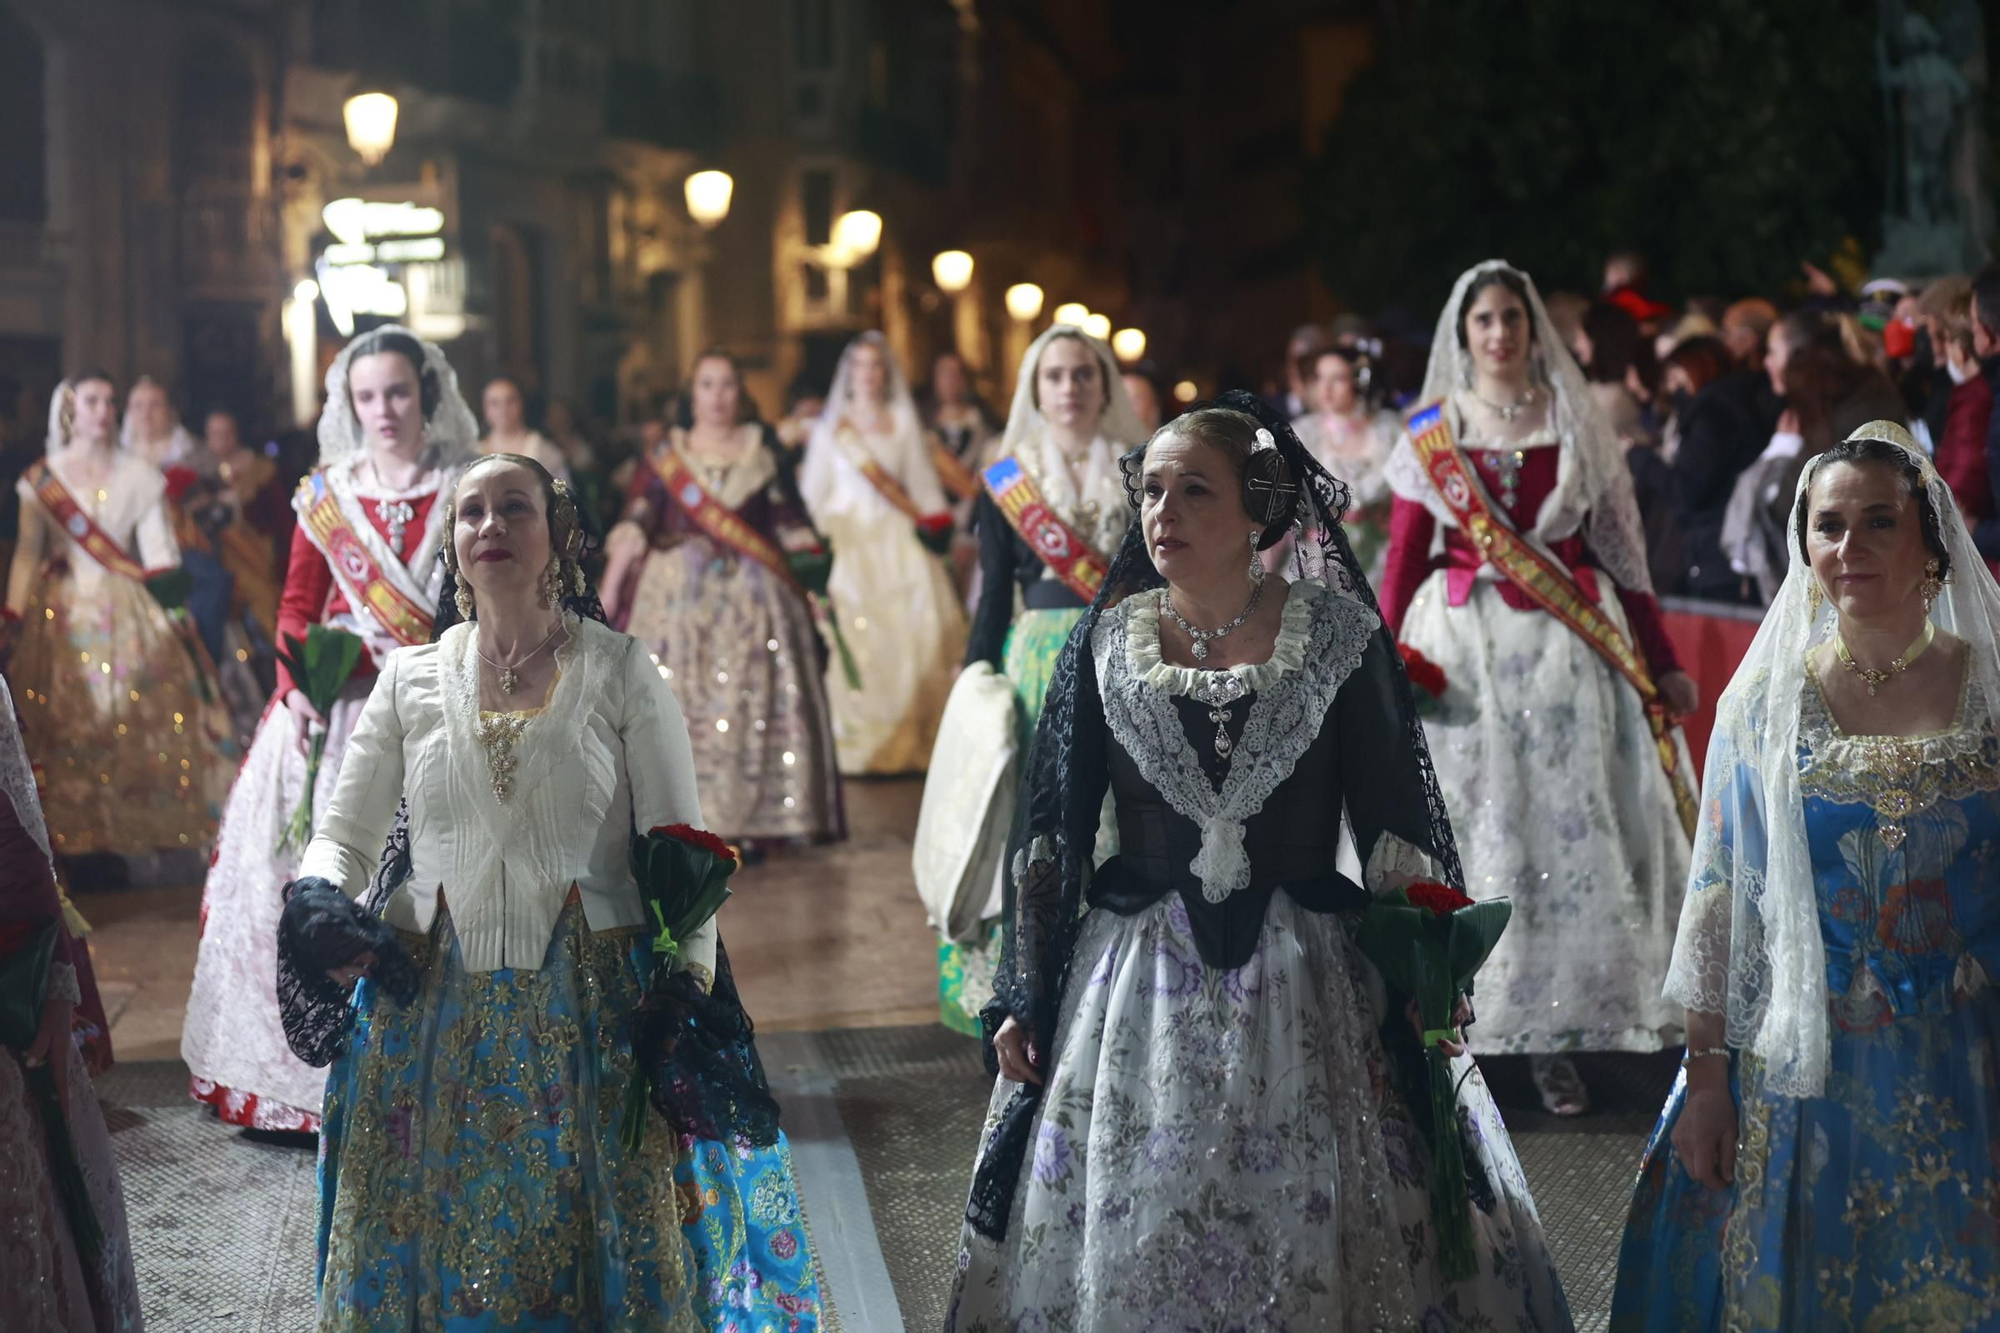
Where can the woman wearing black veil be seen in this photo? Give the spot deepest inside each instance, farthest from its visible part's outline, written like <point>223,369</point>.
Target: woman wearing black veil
<point>1199,1122</point>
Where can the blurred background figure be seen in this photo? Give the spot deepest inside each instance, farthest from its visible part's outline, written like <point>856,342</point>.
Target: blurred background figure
<point>505,410</point>
<point>151,430</point>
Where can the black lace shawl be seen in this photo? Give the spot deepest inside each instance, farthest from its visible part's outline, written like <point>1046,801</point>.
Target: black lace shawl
<point>1055,827</point>
<point>700,1049</point>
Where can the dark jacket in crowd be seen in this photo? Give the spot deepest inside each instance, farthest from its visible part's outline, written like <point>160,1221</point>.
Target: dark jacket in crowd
<point>1723,429</point>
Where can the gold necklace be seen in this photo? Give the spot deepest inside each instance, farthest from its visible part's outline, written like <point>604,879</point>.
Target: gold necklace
<point>509,681</point>
<point>1873,678</point>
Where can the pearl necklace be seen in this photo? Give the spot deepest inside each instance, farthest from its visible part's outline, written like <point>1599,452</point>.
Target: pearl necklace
<point>1201,637</point>
<point>1874,679</point>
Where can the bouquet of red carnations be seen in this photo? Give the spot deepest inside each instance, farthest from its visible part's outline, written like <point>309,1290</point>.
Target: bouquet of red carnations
<point>1428,941</point>
<point>683,874</point>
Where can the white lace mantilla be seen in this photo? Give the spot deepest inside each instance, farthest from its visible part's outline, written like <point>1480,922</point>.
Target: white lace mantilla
<point>1319,644</point>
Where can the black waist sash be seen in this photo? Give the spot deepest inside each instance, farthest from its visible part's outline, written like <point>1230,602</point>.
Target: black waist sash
<point>1225,933</point>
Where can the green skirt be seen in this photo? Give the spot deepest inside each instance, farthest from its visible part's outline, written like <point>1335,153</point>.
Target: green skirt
<point>965,971</point>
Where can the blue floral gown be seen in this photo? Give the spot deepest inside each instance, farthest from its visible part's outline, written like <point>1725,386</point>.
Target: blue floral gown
<point>472,1175</point>
<point>1877,1205</point>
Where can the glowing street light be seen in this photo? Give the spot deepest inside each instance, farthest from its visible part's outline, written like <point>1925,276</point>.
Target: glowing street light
<point>1097,326</point>
<point>1185,391</point>
<point>855,236</point>
<point>1129,344</point>
<point>371,125</point>
<point>1073,313</point>
<point>1024,301</point>
<point>708,195</point>
<point>953,271</point>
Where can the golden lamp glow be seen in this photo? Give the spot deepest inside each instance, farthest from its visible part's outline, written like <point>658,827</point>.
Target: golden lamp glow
<point>1097,326</point>
<point>371,125</point>
<point>1072,312</point>
<point>1129,344</point>
<point>855,236</point>
<point>1024,301</point>
<point>708,195</point>
<point>953,271</point>
<point>1185,391</point>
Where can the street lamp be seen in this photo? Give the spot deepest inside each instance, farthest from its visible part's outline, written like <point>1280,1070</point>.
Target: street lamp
<point>1129,344</point>
<point>1185,391</point>
<point>855,236</point>
<point>1024,301</point>
<point>1072,313</point>
<point>953,271</point>
<point>708,195</point>
<point>371,125</point>
<point>1098,326</point>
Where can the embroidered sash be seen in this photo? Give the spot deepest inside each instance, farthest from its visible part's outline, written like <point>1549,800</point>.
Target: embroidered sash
<point>357,563</point>
<point>1069,557</point>
<point>717,520</point>
<point>96,542</point>
<point>1547,583</point>
<point>952,471</point>
<point>878,476</point>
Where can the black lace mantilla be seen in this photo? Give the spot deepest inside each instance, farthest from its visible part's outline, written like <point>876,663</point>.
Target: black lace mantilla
<point>1062,784</point>
<point>701,1053</point>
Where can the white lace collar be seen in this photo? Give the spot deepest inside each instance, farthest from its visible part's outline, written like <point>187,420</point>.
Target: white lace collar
<point>1099,511</point>
<point>1320,644</point>
<point>1142,645</point>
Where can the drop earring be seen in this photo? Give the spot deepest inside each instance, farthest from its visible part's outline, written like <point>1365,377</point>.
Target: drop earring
<point>1931,586</point>
<point>462,595</point>
<point>1256,563</point>
<point>1814,596</point>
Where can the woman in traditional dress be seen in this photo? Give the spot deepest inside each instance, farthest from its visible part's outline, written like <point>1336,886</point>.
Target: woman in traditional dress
<point>1827,1158</point>
<point>1556,724</point>
<point>962,431</point>
<point>507,431</point>
<point>1352,441</point>
<point>1049,522</point>
<point>705,569</point>
<point>477,1163</point>
<point>150,429</point>
<point>872,487</point>
<point>1198,1122</point>
<point>118,700</point>
<point>55,1276</point>
<point>364,560</point>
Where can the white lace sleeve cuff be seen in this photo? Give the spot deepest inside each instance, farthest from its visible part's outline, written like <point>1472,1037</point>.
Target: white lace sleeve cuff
<point>1395,864</point>
<point>62,984</point>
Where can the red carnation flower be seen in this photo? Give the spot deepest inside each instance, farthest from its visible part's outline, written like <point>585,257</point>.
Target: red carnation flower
<point>179,480</point>
<point>935,523</point>
<point>695,837</point>
<point>1439,899</point>
<point>1424,674</point>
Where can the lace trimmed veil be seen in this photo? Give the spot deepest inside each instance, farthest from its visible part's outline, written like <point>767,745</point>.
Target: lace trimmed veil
<point>1749,945</point>
<point>451,432</point>
<point>1593,486</point>
<point>1026,437</point>
<point>823,466</point>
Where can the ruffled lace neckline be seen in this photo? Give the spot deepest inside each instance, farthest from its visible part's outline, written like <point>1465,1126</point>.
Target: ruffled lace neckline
<point>1144,660</point>
<point>1966,737</point>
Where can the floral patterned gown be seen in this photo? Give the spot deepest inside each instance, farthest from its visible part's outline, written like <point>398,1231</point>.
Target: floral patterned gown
<point>1223,1142</point>
<point>1877,1205</point>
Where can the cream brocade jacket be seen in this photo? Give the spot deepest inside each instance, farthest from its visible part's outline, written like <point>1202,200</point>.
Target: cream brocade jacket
<point>608,754</point>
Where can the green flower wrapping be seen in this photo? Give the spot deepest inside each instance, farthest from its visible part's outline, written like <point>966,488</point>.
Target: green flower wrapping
<point>1428,941</point>
<point>683,876</point>
<point>320,668</point>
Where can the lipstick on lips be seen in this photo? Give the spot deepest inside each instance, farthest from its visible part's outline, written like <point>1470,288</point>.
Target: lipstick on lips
<point>496,554</point>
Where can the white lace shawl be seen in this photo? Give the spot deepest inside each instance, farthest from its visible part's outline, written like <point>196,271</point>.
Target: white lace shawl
<point>1593,489</point>
<point>1320,642</point>
<point>451,434</point>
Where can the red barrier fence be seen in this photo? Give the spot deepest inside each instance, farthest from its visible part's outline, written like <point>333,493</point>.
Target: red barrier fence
<point>1711,638</point>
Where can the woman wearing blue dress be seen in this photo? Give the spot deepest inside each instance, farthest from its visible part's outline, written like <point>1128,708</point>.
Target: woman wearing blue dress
<point>1830,1158</point>
<point>476,1172</point>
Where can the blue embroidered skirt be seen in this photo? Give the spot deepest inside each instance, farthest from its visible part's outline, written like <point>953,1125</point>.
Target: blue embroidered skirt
<point>471,1175</point>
